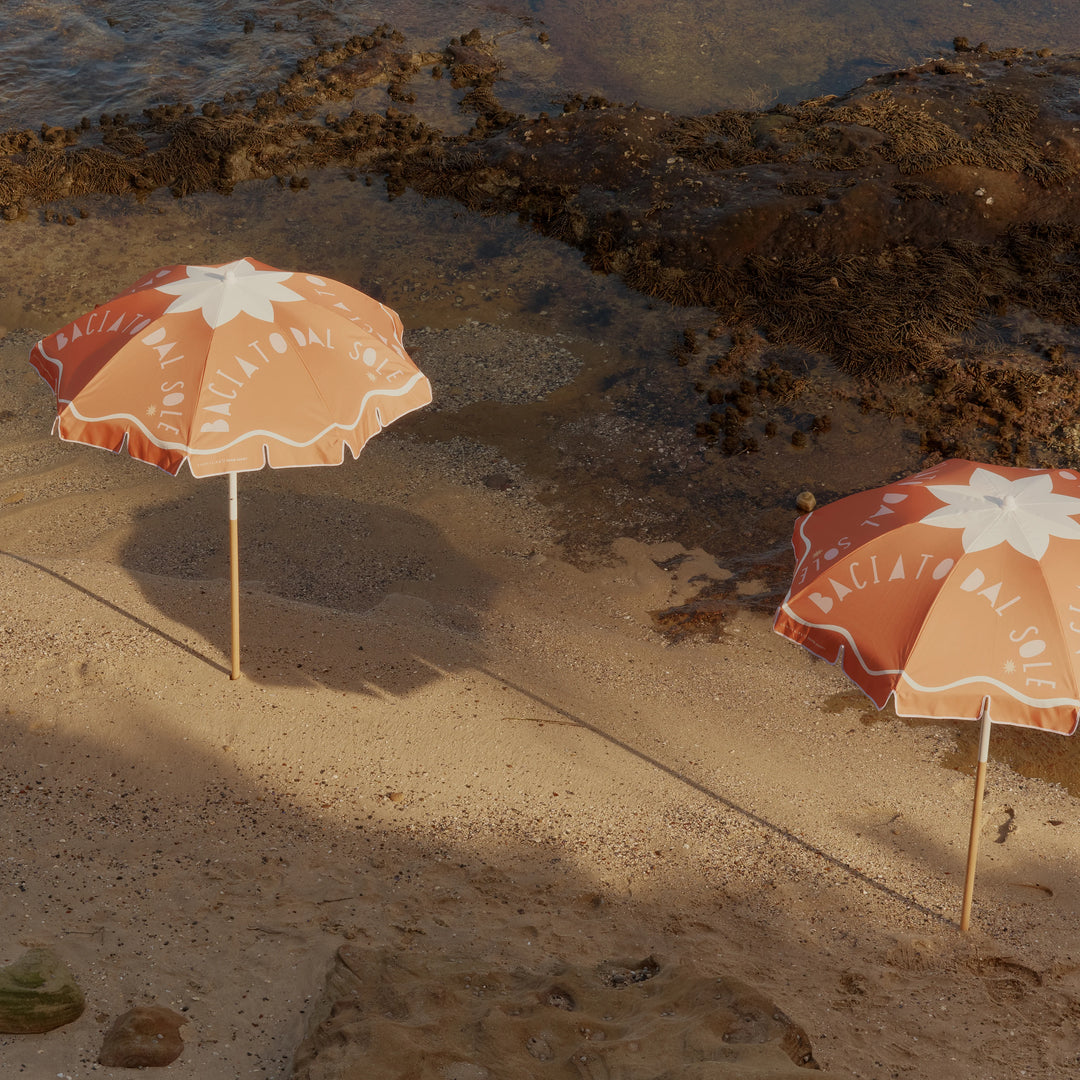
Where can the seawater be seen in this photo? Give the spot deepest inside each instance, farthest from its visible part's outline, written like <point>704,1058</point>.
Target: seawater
<point>65,59</point>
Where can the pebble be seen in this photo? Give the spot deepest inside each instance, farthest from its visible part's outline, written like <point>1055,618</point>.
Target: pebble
<point>805,502</point>
<point>146,1036</point>
<point>38,993</point>
<point>481,362</point>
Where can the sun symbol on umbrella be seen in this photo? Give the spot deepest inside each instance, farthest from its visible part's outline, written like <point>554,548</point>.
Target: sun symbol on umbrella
<point>992,510</point>
<point>223,292</point>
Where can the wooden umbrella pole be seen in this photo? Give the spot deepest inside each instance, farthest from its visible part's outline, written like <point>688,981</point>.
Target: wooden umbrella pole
<point>234,576</point>
<point>976,819</point>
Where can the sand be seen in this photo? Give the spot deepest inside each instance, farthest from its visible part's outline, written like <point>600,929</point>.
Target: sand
<point>465,780</point>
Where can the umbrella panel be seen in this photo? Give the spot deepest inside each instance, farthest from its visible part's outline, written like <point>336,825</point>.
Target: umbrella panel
<point>910,611</point>
<point>231,368</point>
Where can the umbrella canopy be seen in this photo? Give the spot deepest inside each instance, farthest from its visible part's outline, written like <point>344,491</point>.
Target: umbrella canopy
<point>954,591</point>
<point>229,368</point>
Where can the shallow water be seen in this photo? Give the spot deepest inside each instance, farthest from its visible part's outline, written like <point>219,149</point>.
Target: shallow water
<point>65,59</point>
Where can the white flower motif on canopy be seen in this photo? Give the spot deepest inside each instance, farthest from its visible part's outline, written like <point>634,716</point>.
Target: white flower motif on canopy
<point>992,510</point>
<point>223,292</point>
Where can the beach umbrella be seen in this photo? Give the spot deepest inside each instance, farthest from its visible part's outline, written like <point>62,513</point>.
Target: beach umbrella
<point>956,592</point>
<point>229,368</point>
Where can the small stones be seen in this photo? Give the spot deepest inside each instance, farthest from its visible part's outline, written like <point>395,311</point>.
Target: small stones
<point>805,502</point>
<point>539,1047</point>
<point>38,993</point>
<point>146,1036</point>
<point>642,971</point>
<point>498,482</point>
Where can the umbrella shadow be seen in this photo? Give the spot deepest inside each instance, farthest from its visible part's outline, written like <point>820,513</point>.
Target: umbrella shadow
<point>334,592</point>
<point>1042,755</point>
<point>784,834</point>
<point>284,886</point>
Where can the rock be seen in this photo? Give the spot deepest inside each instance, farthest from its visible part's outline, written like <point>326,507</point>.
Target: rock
<point>38,993</point>
<point>145,1036</point>
<point>385,1012</point>
<point>805,502</point>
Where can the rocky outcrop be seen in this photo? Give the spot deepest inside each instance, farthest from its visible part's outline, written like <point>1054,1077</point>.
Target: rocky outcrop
<point>383,1012</point>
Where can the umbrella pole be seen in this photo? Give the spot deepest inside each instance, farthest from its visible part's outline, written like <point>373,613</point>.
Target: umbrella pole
<point>976,819</point>
<point>234,576</point>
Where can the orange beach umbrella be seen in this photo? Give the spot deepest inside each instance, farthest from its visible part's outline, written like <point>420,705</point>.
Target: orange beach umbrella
<point>229,368</point>
<point>956,592</point>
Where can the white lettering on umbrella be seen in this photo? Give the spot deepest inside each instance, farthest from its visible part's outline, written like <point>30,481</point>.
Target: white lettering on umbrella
<point>818,558</point>
<point>370,358</point>
<point>1072,626</point>
<point>973,582</point>
<point>885,509</point>
<point>1028,650</point>
<point>228,382</point>
<point>312,337</point>
<point>247,368</point>
<point>97,322</point>
<point>859,581</point>
<point>154,341</point>
<point>172,395</point>
<point>1030,644</point>
<point>277,343</point>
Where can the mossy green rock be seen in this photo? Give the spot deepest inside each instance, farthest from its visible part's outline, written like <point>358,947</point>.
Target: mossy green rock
<point>38,993</point>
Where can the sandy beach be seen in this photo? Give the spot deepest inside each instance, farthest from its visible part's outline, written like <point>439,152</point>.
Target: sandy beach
<point>470,813</point>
